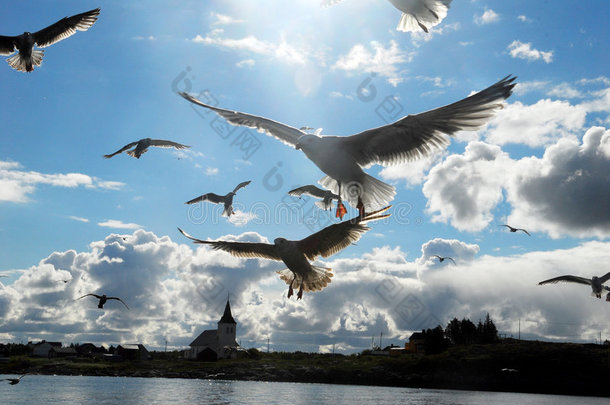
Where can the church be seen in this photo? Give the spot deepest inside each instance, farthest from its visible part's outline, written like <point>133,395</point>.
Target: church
<point>215,343</point>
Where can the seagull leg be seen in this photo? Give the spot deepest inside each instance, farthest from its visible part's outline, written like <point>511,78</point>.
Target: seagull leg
<point>290,290</point>
<point>341,210</point>
<point>360,207</point>
<point>300,293</point>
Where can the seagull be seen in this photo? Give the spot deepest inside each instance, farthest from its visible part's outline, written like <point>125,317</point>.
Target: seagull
<point>296,254</point>
<point>343,157</point>
<point>27,57</point>
<point>227,200</point>
<point>441,259</point>
<point>326,195</point>
<point>103,299</point>
<point>515,229</point>
<point>14,381</point>
<point>142,145</point>
<point>596,283</point>
<point>416,14</point>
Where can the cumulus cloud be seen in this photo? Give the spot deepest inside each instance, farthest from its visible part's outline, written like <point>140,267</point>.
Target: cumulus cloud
<point>520,50</point>
<point>113,223</point>
<point>488,17</point>
<point>16,184</point>
<point>246,63</point>
<point>382,60</point>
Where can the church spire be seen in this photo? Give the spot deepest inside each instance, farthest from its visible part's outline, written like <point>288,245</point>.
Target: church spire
<point>226,316</point>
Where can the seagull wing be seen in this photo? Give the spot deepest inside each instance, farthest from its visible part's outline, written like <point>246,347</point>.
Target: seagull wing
<point>309,189</point>
<point>241,185</point>
<point>211,197</point>
<point>284,133</point>
<point>520,229</point>
<point>160,143</point>
<point>123,149</point>
<point>415,136</point>
<point>450,258</point>
<point>7,45</point>
<point>86,295</point>
<point>570,279</point>
<point>337,237</point>
<point>118,299</point>
<point>604,278</point>
<point>65,28</point>
<point>240,249</point>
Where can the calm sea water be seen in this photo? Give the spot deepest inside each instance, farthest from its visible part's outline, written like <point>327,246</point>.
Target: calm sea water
<point>43,390</point>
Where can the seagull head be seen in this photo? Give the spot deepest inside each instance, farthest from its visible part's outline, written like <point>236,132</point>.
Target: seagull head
<point>279,241</point>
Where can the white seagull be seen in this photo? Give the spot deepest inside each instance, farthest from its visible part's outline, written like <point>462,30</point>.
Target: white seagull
<point>343,157</point>
<point>596,283</point>
<point>142,146</point>
<point>442,259</point>
<point>327,197</point>
<point>27,58</point>
<point>416,14</point>
<point>227,199</point>
<point>296,254</point>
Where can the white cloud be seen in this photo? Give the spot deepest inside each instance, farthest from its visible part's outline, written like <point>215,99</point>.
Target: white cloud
<point>241,218</point>
<point>246,63</point>
<point>211,171</point>
<point>488,17</point>
<point>420,36</point>
<point>145,38</point>
<point>382,60</point>
<point>113,223</point>
<point>80,219</point>
<point>525,51</point>
<point>222,19</point>
<point>16,184</point>
<point>524,18</point>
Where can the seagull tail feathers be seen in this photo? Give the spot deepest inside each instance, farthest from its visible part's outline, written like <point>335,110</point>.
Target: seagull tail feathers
<point>315,280</point>
<point>374,193</point>
<point>18,62</point>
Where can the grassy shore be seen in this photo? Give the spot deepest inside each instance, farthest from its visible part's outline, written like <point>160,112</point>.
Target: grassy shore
<point>518,366</point>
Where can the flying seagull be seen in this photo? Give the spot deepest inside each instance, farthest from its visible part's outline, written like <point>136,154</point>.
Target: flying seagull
<point>516,229</point>
<point>596,283</point>
<point>296,254</point>
<point>343,157</point>
<point>14,381</point>
<point>103,298</point>
<point>442,259</point>
<point>27,57</point>
<point>142,145</point>
<point>227,200</point>
<point>326,195</point>
<point>416,14</point>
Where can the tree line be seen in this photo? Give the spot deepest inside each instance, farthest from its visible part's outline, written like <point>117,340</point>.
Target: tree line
<point>458,332</point>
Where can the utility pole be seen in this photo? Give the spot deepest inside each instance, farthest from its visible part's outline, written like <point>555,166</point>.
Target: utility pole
<point>267,345</point>
<point>519,328</point>
<point>166,345</point>
<point>380,340</point>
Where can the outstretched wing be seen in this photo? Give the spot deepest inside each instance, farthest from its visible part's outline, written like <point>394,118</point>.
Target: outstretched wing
<point>521,229</point>
<point>337,237</point>
<point>241,185</point>
<point>417,135</point>
<point>604,278</point>
<point>93,295</point>
<point>240,249</point>
<point>118,299</point>
<point>310,189</point>
<point>570,279</point>
<point>160,143</point>
<point>7,45</point>
<point>284,133</point>
<point>450,258</point>
<point>123,149</point>
<point>65,28</point>
<point>211,197</point>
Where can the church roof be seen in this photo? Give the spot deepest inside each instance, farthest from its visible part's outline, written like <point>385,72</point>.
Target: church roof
<point>207,338</point>
<point>227,317</point>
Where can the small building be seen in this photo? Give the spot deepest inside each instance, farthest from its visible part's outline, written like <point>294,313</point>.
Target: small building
<point>132,352</point>
<point>417,343</point>
<point>215,344</point>
<point>41,349</point>
<point>90,350</point>
<point>55,352</point>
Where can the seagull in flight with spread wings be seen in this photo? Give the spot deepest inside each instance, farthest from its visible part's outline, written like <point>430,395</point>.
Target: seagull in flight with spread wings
<point>416,14</point>
<point>296,254</point>
<point>142,146</point>
<point>227,199</point>
<point>442,259</point>
<point>14,381</point>
<point>595,282</point>
<point>103,298</point>
<point>27,57</point>
<point>510,228</point>
<point>343,157</point>
<point>327,197</point>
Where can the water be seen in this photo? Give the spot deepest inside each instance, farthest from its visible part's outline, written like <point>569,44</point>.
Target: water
<point>44,390</point>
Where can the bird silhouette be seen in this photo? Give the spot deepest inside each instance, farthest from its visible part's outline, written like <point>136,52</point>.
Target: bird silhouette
<point>516,229</point>
<point>142,146</point>
<point>442,259</point>
<point>227,199</point>
<point>296,254</point>
<point>343,158</point>
<point>103,298</point>
<point>595,282</point>
<point>327,197</point>
<point>14,381</point>
<point>27,57</point>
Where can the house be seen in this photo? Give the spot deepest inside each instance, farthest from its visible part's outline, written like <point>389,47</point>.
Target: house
<point>62,352</point>
<point>132,352</point>
<point>90,350</point>
<point>41,349</point>
<point>416,343</point>
<point>215,344</point>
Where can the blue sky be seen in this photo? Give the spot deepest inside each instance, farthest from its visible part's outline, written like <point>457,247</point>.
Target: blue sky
<point>542,163</point>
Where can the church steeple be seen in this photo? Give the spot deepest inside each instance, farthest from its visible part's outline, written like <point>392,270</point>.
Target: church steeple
<point>226,316</point>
